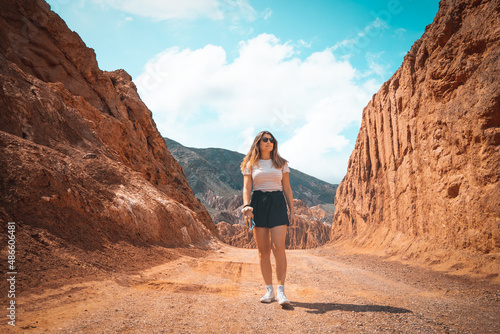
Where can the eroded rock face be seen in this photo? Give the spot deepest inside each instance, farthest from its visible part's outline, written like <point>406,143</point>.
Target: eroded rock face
<point>81,155</point>
<point>425,170</point>
<point>236,235</point>
<point>308,232</point>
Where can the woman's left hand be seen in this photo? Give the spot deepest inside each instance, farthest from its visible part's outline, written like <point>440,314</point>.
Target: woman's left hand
<point>291,218</point>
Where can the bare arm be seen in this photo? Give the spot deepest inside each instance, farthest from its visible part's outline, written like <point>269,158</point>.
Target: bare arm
<point>247,189</point>
<point>247,196</point>
<point>287,189</point>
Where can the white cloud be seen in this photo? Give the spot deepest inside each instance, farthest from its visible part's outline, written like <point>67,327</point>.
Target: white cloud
<point>399,33</point>
<point>362,37</point>
<point>376,65</point>
<point>267,13</point>
<point>185,9</point>
<point>304,44</point>
<point>201,100</point>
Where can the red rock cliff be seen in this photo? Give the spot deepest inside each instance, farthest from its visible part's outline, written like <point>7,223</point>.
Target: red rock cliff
<point>425,170</point>
<point>80,154</point>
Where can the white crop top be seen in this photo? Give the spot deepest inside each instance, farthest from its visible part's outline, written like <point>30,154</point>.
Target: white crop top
<point>265,176</point>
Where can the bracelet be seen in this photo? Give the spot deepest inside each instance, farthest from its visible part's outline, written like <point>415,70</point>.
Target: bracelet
<point>246,205</point>
<point>245,209</point>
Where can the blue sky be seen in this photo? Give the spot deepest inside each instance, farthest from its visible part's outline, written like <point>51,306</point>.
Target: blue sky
<point>216,72</point>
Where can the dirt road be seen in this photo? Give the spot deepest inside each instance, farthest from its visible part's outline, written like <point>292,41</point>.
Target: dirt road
<point>219,293</point>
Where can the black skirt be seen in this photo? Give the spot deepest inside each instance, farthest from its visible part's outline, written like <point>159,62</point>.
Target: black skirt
<point>269,209</point>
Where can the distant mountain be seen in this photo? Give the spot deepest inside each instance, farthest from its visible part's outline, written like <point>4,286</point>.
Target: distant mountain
<point>215,177</point>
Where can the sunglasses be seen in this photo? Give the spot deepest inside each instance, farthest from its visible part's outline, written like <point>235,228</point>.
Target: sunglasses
<point>267,139</point>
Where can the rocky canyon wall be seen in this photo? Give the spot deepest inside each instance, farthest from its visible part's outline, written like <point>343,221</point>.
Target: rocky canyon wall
<point>80,154</point>
<point>425,172</point>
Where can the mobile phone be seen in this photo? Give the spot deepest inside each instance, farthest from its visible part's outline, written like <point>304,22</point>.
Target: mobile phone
<point>252,224</point>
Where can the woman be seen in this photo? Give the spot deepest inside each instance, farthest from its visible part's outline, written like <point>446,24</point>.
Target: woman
<point>268,173</point>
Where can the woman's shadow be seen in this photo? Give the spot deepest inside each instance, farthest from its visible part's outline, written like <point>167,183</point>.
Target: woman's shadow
<point>321,308</point>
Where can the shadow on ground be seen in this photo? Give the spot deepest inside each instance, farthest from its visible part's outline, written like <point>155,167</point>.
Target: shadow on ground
<point>321,308</point>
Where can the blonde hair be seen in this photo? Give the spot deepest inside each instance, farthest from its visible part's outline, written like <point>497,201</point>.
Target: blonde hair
<point>254,154</point>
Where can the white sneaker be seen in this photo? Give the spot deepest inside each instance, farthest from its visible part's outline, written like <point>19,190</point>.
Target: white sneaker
<point>269,296</point>
<point>282,300</point>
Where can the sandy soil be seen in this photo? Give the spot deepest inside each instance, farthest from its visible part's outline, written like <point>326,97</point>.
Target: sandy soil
<point>218,292</point>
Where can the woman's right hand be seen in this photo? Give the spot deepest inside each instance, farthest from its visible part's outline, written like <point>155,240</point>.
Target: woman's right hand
<point>248,218</point>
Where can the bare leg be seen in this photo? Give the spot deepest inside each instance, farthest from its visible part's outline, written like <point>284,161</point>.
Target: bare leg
<point>263,240</point>
<point>278,237</point>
